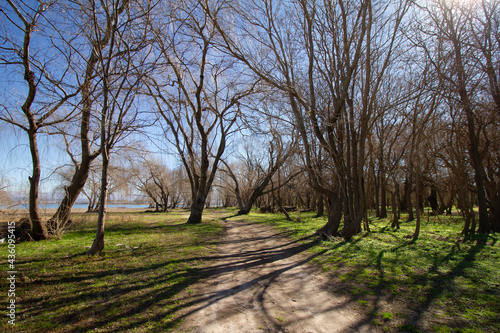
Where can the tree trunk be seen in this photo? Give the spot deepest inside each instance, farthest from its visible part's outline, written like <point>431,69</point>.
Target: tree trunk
<point>39,230</point>
<point>407,199</point>
<point>376,181</point>
<point>433,201</point>
<point>257,192</point>
<point>416,234</point>
<point>321,206</point>
<point>197,207</point>
<point>71,193</point>
<point>81,174</point>
<point>475,154</point>
<point>395,213</point>
<point>383,196</point>
<point>351,227</point>
<point>335,209</point>
<point>98,244</point>
<point>495,220</point>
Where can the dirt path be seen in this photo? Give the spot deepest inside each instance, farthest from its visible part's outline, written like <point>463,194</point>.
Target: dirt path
<point>261,281</point>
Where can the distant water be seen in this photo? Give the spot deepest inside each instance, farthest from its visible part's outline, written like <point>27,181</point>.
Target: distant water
<point>84,206</point>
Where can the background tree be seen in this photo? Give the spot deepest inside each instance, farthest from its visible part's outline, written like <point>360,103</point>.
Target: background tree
<point>200,98</point>
<point>266,149</point>
<point>328,62</point>
<point>152,178</point>
<point>446,41</point>
<point>5,199</point>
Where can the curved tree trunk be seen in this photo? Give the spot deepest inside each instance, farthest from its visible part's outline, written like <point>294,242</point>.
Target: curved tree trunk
<point>335,209</point>
<point>39,230</point>
<point>257,192</point>
<point>71,193</point>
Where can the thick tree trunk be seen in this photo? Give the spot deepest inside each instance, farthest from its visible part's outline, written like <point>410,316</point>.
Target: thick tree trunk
<point>257,192</point>
<point>321,206</point>
<point>197,207</point>
<point>475,154</point>
<point>376,182</point>
<point>484,223</point>
<point>416,234</point>
<point>334,210</point>
<point>39,230</point>
<point>351,227</point>
<point>433,201</point>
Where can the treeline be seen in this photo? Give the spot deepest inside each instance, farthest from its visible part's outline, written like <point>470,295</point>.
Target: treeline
<point>349,105</point>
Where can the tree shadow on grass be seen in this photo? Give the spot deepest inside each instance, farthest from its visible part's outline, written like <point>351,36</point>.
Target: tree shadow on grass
<point>144,294</point>
<point>433,283</point>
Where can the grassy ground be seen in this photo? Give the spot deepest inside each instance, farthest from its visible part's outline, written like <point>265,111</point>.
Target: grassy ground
<point>133,287</point>
<point>440,283</point>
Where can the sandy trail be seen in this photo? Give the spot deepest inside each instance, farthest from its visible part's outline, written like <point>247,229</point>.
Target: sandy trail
<point>260,281</point>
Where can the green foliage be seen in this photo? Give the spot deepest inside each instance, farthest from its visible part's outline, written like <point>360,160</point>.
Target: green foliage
<point>386,316</point>
<point>440,271</point>
<point>149,259</point>
<point>362,302</point>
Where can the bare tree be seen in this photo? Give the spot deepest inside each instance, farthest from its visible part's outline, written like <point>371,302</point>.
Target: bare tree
<point>151,177</point>
<point>200,98</point>
<point>5,199</point>
<point>46,91</point>
<point>329,62</point>
<point>446,43</point>
<point>123,68</point>
<point>96,37</point>
<point>260,159</point>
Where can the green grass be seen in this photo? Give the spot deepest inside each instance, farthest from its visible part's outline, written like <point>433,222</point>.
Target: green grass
<point>439,283</point>
<point>441,277</point>
<point>133,287</point>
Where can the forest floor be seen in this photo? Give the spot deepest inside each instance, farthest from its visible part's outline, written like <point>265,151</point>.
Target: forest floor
<point>262,281</point>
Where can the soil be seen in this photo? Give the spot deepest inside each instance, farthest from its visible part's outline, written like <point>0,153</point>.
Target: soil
<point>261,281</point>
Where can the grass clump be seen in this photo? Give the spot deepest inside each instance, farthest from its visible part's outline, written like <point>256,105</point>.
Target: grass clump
<point>134,285</point>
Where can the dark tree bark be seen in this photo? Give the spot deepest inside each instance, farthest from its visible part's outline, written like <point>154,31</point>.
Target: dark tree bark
<point>433,201</point>
<point>71,193</point>
<point>495,221</point>
<point>39,230</point>
<point>395,210</point>
<point>320,206</point>
<point>29,24</point>
<point>334,211</point>
<point>114,109</point>
<point>383,193</point>
<point>408,206</point>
